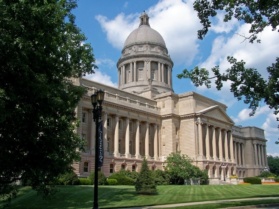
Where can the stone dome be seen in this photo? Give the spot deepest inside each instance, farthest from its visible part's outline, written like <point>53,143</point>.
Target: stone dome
<point>144,34</point>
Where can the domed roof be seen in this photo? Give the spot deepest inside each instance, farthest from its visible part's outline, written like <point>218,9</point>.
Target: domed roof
<point>144,34</point>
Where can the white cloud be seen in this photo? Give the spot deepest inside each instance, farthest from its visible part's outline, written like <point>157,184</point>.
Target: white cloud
<point>175,20</point>
<point>243,115</point>
<point>100,77</point>
<point>106,62</point>
<point>219,26</point>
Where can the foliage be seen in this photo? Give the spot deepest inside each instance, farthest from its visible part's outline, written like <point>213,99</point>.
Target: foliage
<point>245,83</point>
<point>252,180</point>
<point>41,51</point>
<point>161,177</point>
<point>180,168</point>
<point>102,179</point>
<point>276,179</point>
<point>69,178</point>
<point>112,181</point>
<point>122,178</point>
<point>145,183</point>
<point>266,174</point>
<point>131,174</point>
<point>85,181</point>
<point>273,164</point>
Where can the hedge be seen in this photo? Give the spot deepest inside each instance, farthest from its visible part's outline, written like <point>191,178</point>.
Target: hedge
<point>252,180</point>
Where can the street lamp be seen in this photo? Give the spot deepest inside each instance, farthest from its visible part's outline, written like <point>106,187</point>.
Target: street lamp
<point>96,99</point>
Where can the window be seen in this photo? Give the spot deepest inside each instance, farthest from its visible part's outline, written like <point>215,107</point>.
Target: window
<point>111,168</point>
<point>123,166</point>
<point>85,167</point>
<point>84,117</point>
<point>134,167</point>
<point>108,122</point>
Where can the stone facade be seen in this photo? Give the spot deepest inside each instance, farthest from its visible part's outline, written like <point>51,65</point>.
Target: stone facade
<point>143,117</point>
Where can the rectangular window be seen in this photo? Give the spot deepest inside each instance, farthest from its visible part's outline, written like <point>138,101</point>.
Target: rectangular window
<point>83,117</point>
<point>108,122</point>
<point>85,167</point>
<point>123,167</point>
<point>133,167</point>
<point>111,168</point>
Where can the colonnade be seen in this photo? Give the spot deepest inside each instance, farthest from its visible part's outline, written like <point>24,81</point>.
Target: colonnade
<point>239,153</point>
<point>136,144</point>
<point>215,143</point>
<point>260,154</point>
<point>131,72</point>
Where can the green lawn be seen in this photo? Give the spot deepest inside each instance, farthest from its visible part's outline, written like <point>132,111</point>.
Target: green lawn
<point>81,197</point>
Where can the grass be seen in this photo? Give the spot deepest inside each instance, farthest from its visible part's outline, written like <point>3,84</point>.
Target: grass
<point>81,197</point>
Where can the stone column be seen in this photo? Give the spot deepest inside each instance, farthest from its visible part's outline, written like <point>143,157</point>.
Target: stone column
<point>169,76</point>
<point>214,144</point>
<point>92,132</point>
<point>163,73</point>
<point>220,144</point>
<point>105,133</point>
<point>239,153</point>
<point>116,137</point>
<point>146,151</point>
<point>127,139</point>
<point>226,145</point>
<point>255,154</point>
<point>259,153</point>
<point>200,139</point>
<point>243,154</point>
<point>265,157</point>
<point>137,140</point>
<point>155,142</point>
<point>207,146</point>
<point>135,71</point>
<point>159,72</point>
<point>231,147</point>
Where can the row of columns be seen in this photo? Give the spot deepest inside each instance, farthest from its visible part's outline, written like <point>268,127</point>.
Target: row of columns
<point>260,155</point>
<point>215,143</point>
<point>161,74</point>
<point>239,153</point>
<point>127,153</point>
<point>221,172</point>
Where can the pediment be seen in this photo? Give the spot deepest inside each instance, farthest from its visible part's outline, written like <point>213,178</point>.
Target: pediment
<point>217,113</point>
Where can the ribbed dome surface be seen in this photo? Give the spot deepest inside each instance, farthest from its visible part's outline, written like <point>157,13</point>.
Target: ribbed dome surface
<point>144,34</point>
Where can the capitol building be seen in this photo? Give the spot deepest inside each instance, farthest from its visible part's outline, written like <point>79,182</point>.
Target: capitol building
<point>144,117</point>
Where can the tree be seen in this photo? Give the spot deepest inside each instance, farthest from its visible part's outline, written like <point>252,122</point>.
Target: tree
<point>180,168</point>
<point>273,164</point>
<point>41,50</point>
<point>145,183</point>
<point>246,83</point>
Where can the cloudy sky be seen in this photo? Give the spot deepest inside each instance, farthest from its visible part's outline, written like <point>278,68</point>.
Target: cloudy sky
<point>107,24</point>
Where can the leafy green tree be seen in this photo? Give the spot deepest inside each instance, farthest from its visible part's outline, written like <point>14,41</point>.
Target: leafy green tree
<point>273,164</point>
<point>145,183</point>
<point>246,83</point>
<point>41,50</point>
<point>180,168</point>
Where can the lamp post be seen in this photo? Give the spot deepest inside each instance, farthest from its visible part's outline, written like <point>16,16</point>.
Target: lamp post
<point>96,99</point>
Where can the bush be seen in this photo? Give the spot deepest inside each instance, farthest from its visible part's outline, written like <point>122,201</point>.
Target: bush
<point>112,181</point>
<point>145,183</point>
<point>161,177</point>
<point>252,180</point>
<point>266,174</point>
<point>122,179</point>
<point>85,181</point>
<point>102,180</point>
<point>69,178</point>
<point>276,179</point>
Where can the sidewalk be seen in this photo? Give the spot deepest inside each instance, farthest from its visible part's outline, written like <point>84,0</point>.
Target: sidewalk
<point>271,206</point>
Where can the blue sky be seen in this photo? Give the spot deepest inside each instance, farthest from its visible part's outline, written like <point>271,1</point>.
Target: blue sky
<point>107,24</point>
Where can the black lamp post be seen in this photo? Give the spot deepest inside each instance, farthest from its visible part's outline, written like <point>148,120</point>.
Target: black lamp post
<point>96,99</point>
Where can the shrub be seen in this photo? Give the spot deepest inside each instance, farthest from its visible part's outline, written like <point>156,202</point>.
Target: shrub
<point>161,177</point>
<point>102,180</point>
<point>252,180</point>
<point>145,183</point>
<point>69,178</point>
<point>266,174</point>
<point>112,181</point>
<point>122,179</point>
<point>276,179</point>
<point>85,181</point>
